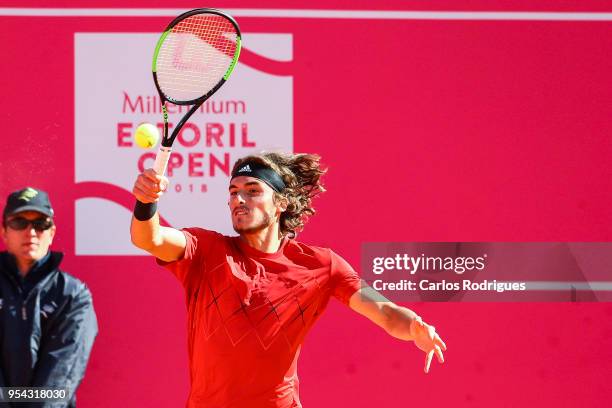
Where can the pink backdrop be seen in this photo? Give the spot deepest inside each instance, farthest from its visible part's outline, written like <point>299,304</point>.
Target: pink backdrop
<point>432,130</point>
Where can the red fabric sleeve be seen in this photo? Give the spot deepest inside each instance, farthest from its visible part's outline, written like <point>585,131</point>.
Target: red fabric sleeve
<point>199,243</point>
<point>344,279</point>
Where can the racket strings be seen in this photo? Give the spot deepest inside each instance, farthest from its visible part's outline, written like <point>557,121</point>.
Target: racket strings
<point>195,56</point>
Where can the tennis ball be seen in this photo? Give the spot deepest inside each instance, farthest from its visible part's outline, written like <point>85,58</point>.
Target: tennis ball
<point>146,135</point>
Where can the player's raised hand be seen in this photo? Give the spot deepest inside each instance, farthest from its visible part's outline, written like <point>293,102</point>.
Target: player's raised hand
<point>426,339</point>
<point>149,186</point>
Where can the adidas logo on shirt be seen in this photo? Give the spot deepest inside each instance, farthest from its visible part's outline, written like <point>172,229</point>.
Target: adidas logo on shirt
<point>245,168</point>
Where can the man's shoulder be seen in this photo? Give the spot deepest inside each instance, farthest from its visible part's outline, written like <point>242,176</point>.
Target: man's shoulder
<point>70,285</point>
<point>199,232</point>
<point>322,253</point>
<point>72,282</point>
<point>204,239</point>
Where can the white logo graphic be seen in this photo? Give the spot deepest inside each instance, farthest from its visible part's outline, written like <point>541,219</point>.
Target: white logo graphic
<point>114,93</point>
<point>245,168</point>
<point>48,309</point>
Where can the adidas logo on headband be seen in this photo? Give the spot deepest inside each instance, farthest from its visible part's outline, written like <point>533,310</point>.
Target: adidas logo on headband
<point>263,173</point>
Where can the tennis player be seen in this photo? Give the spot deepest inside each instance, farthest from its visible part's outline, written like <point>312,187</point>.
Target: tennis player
<point>252,298</point>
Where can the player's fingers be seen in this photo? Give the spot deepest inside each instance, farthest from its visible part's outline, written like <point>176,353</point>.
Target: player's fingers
<point>151,174</point>
<point>144,196</point>
<point>428,358</point>
<point>163,183</point>
<point>416,326</point>
<point>147,184</point>
<point>440,342</point>
<point>159,181</point>
<point>439,354</point>
<point>431,332</point>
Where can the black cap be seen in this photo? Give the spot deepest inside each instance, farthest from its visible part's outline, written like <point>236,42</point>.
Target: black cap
<point>28,199</point>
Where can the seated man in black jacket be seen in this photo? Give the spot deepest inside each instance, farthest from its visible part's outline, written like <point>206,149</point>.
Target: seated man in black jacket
<point>47,320</point>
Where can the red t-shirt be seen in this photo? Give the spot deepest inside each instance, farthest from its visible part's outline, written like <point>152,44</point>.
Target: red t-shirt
<point>248,313</point>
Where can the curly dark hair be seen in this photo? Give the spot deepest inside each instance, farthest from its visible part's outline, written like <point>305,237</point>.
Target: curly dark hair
<point>302,175</point>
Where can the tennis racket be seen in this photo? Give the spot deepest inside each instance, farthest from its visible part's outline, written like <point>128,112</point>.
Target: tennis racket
<point>193,58</point>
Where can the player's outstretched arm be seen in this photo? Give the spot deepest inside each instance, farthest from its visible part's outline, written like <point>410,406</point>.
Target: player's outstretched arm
<point>399,322</point>
<point>167,244</point>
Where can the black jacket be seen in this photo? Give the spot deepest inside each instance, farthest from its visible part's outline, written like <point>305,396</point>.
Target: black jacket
<point>47,328</point>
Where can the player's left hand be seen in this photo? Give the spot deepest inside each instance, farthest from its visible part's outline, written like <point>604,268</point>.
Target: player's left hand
<point>426,339</point>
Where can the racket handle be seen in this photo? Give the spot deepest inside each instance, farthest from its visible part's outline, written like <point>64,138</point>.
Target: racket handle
<point>161,160</point>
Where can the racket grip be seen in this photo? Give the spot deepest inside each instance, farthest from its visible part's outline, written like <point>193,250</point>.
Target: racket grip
<point>161,160</point>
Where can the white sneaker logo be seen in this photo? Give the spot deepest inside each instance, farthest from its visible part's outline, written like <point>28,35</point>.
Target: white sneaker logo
<point>245,168</point>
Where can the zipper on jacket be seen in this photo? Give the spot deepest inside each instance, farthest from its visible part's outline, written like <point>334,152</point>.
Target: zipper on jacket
<point>24,312</point>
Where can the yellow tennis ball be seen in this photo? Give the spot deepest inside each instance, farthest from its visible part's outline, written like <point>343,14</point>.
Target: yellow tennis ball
<point>146,135</point>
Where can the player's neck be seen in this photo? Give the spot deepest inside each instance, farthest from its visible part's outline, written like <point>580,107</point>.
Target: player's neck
<point>267,240</point>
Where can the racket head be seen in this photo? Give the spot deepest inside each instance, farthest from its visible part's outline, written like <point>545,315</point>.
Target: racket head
<point>195,55</point>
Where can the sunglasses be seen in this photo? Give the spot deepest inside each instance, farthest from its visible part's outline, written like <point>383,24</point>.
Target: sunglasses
<point>20,223</point>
